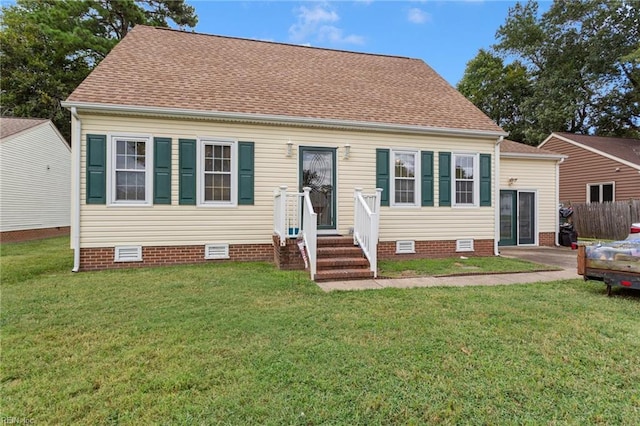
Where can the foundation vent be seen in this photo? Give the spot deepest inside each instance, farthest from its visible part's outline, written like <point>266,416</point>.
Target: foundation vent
<point>405,247</point>
<point>128,254</point>
<point>464,245</point>
<point>216,251</point>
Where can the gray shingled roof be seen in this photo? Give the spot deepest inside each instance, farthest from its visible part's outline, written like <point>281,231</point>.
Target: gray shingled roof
<point>164,68</point>
<point>10,125</point>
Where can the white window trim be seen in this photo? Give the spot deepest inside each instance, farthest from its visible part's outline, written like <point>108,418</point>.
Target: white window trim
<point>417,177</point>
<point>111,169</point>
<point>202,141</point>
<point>476,179</point>
<point>613,189</point>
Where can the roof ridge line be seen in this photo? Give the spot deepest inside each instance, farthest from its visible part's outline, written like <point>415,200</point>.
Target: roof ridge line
<point>280,43</point>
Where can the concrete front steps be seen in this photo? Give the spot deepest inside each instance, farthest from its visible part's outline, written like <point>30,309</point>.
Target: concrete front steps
<point>338,260</point>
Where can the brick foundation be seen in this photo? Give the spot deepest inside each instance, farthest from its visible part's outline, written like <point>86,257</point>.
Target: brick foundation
<point>92,259</point>
<point>434,249</point>
<point>287,257</point>
<point>33,234</point>
<point>547,239</point>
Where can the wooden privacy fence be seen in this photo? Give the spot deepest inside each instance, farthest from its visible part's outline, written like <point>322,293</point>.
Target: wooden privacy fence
<point>609,221</point>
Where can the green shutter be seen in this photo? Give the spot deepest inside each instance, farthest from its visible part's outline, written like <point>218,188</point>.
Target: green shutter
<point>162,170</point>
<point>187,170</point>
<point>245,172</point>
<point>426,166</point>
<point>485,179</point>
<point>96,169</point>
<point>382,174</point>
<point>444,184</point>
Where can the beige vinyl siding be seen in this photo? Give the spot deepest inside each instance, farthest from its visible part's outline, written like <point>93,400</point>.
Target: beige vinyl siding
<point>185,225</point>
<point>35,180</point>
<point>534,175</point>
<point>584,167</point>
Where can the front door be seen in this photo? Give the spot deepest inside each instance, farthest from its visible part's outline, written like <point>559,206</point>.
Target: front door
<point>508,218</point>
<point>318,171</point>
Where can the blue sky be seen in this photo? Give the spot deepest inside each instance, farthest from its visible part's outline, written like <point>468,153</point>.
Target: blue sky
<point>445,34</point>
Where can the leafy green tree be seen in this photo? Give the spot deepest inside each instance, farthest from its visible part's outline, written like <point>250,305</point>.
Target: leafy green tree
<point>47,47</point>
<point>499,90</point>
<point>582,60</point>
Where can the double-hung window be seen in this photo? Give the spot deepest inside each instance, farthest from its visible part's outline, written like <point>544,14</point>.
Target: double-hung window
<point>600,192</point>
<point>466,186</point>
<point>405,184</point>
<point>218,172</point>
<point>131,170</point>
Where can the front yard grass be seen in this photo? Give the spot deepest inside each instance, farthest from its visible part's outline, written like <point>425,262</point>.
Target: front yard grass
<point>456,266</point>
<point>248,344</point>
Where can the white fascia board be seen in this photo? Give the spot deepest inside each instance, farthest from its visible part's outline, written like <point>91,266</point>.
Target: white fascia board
<point>595,151</point>
<point>532,156</point>
<point>278,119</point>
<point>60,137</point>
<point>541,144</point>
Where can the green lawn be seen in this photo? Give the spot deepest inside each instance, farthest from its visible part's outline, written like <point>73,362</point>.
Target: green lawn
<point>457,266</point>
<point>248,344</point>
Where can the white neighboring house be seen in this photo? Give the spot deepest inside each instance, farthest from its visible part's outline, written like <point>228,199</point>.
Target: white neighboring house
<point>35,180</point>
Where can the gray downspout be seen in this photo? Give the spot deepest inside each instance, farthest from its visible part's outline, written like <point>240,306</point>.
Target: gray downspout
<point>75,229</point>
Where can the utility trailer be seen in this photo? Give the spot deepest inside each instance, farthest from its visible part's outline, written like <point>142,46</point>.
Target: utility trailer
<point>617,264</point>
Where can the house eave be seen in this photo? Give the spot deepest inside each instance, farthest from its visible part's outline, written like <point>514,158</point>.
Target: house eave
<point>532,156</point>
<point>277,119</point>
<point>590,149</point>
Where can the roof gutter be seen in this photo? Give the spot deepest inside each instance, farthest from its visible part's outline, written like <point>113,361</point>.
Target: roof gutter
<point>76,135</point>
<point>278,119</point>
<point>532,156</point>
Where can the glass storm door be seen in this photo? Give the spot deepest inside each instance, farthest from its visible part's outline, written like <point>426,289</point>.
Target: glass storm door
<point>318,171</point>
<point>526,217</point>
<point>508,218</point>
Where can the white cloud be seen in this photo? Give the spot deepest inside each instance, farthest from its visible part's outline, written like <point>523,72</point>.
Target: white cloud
<point>335,35</point>
<point>418,16</point>
<point>316,23</point>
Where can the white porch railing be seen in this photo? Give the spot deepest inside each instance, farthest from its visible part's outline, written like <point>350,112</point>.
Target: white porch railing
<point>287,211</point>
<point>310,231</point>
<point>286,214</point>
<point>366,221</point>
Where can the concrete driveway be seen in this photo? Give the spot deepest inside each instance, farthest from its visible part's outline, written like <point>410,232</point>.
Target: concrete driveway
<point>562,257</point>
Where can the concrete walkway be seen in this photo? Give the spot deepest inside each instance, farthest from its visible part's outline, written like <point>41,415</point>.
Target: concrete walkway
<point>452,281</point>
<point>553,256</point>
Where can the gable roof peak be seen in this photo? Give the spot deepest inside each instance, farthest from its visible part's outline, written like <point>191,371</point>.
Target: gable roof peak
<point>626,150</point>
<point>12,125</point>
